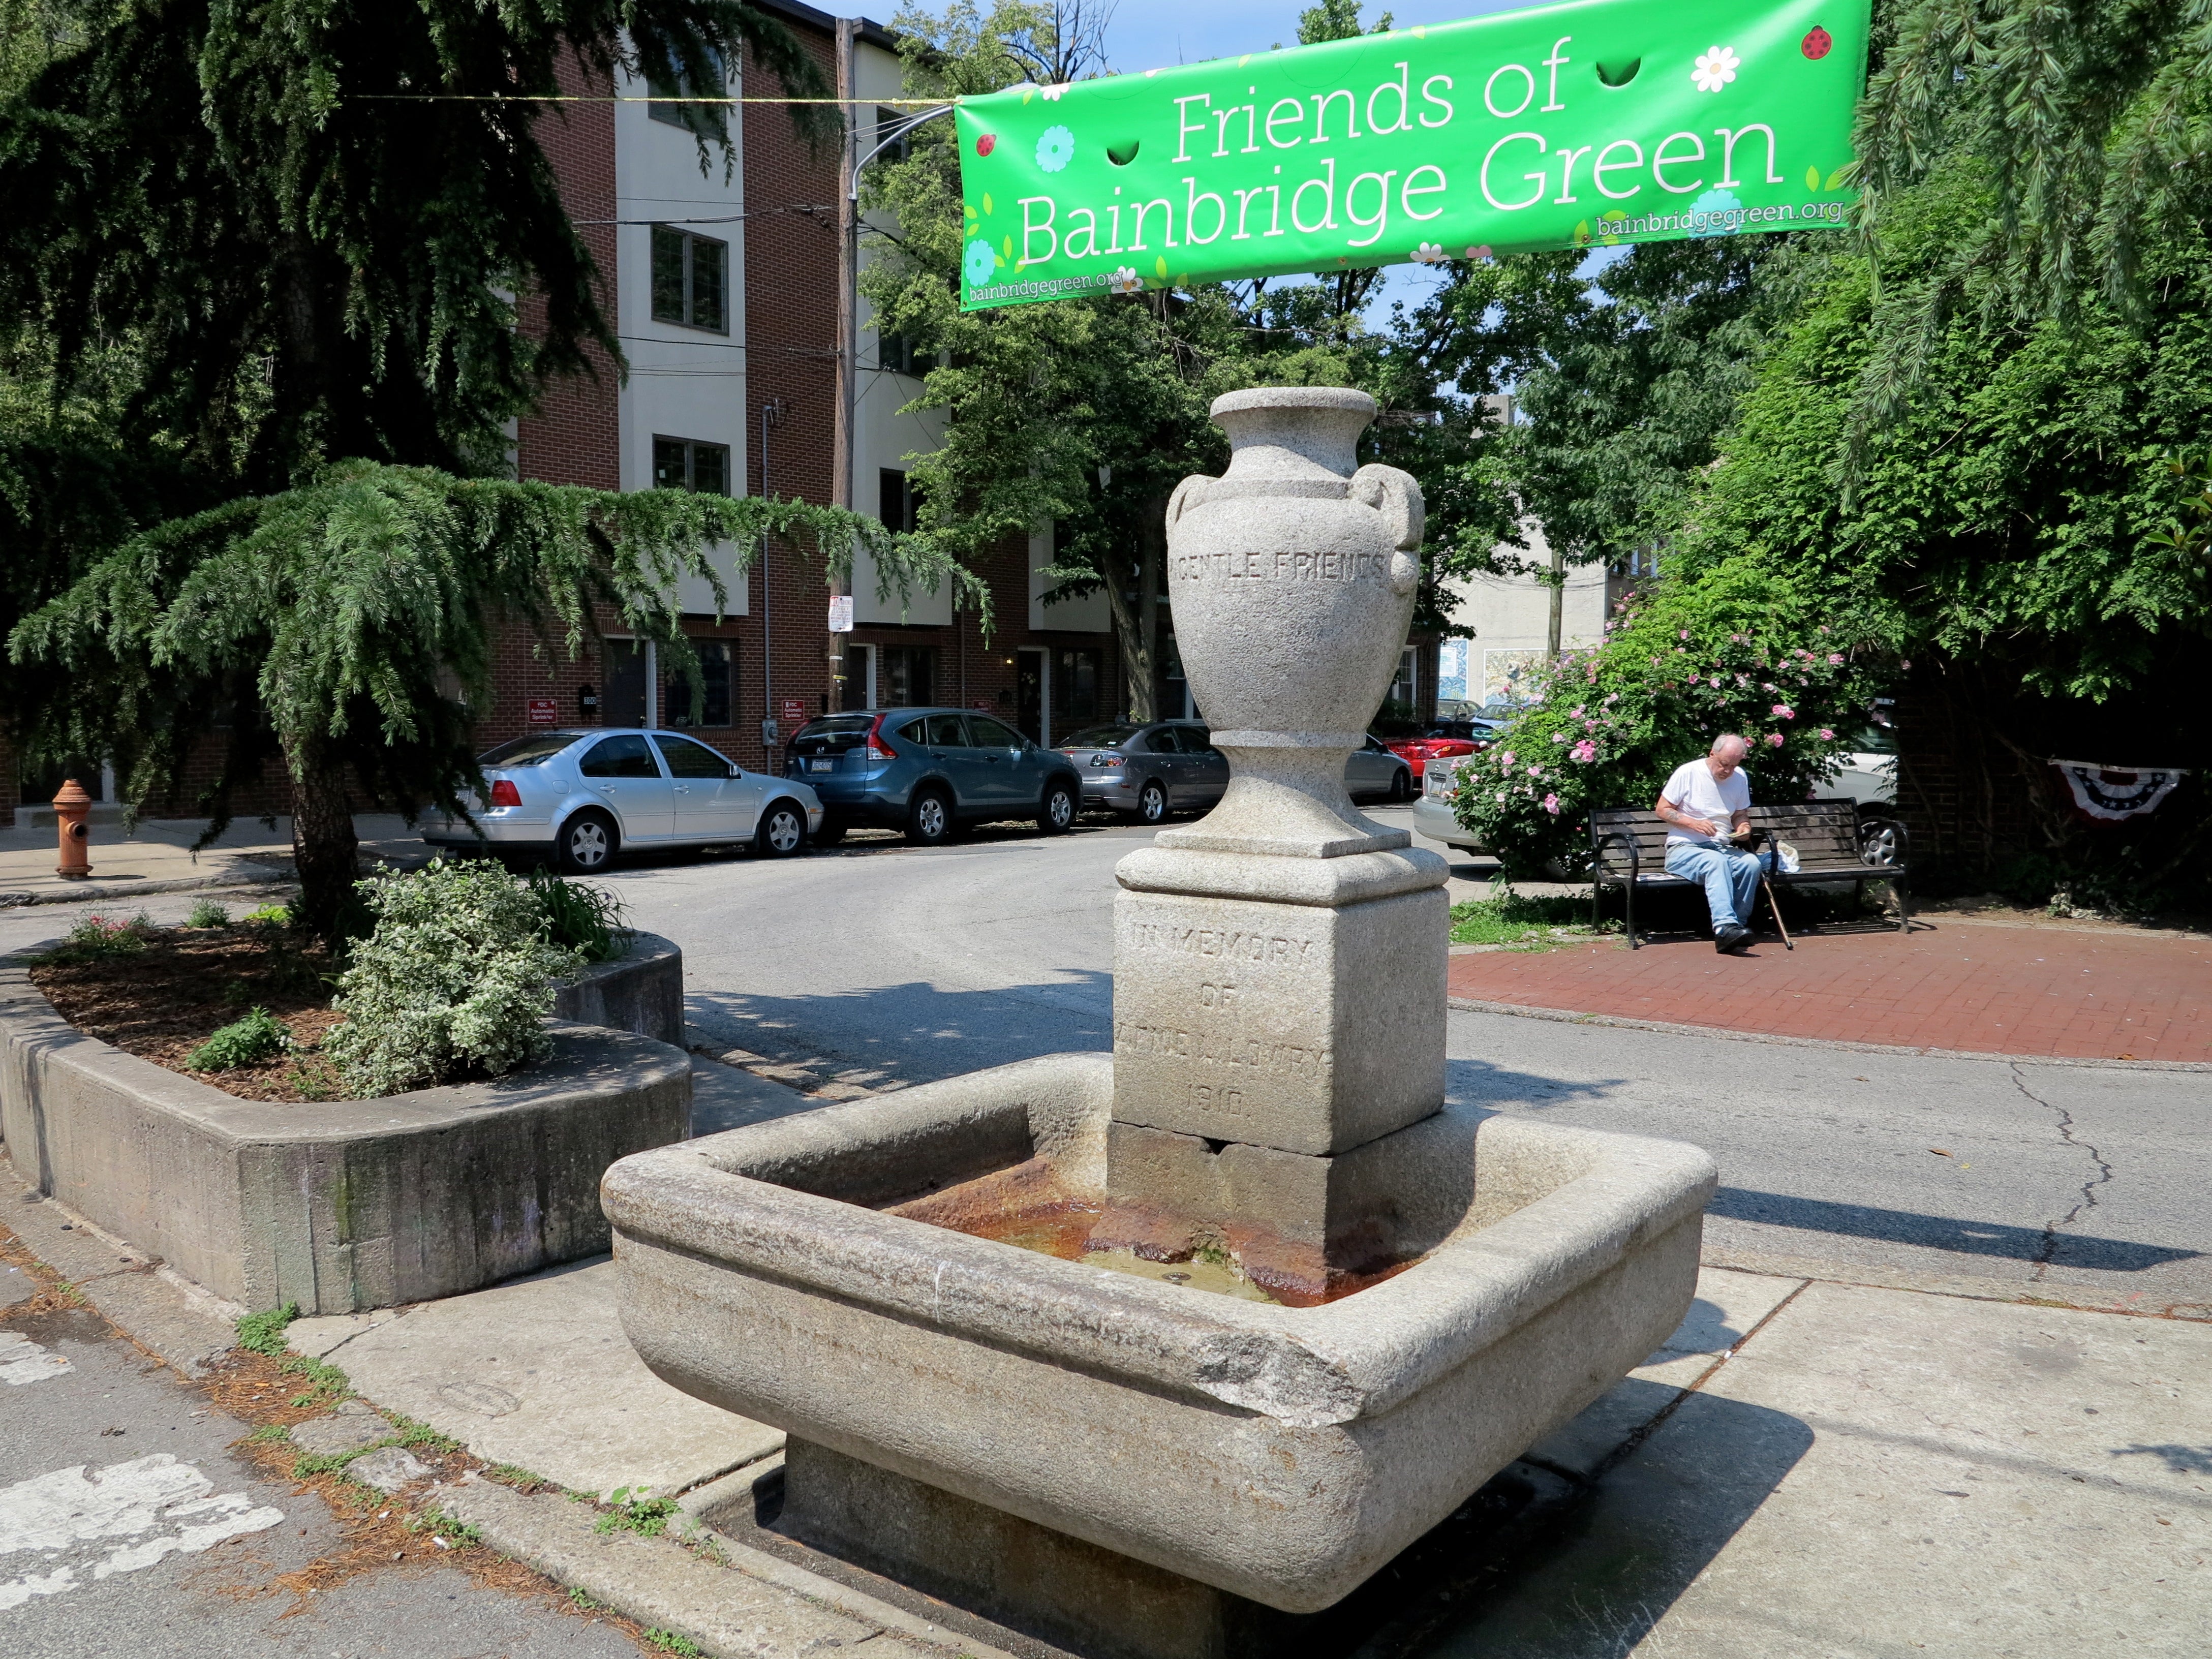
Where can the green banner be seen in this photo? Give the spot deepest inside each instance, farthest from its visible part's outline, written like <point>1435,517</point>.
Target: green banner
<point>1598,121</point>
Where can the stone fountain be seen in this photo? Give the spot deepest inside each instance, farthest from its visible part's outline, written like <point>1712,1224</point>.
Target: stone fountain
<point>1146,1354</point>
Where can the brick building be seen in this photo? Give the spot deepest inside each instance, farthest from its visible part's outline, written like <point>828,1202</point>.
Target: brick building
<point>724,292</point>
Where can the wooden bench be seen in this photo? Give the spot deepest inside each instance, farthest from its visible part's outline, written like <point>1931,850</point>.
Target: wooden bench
<point>1628,850</point>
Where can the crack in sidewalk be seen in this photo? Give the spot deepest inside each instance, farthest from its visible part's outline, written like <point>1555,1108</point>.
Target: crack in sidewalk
<point>2048,1247</point>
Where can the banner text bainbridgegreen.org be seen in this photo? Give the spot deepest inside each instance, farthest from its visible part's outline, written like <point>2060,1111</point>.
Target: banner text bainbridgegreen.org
<point>1604,121</point>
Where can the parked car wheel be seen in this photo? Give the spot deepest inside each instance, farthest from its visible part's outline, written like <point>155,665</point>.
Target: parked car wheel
<point>588,843</point>
<point>1058,812</point>
<point>1402,786</point>
<point>929,820</point>
<point>782,830</point>
<point>1152,803</point>
<point>1878,843</point>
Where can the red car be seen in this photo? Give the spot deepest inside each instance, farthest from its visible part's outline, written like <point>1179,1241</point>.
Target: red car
<point>1445,741</point>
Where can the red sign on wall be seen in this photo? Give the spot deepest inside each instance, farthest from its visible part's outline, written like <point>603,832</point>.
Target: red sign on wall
<point>795,712</point>
<point>544,711</point>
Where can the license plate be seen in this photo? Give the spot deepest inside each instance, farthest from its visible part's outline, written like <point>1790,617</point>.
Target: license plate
<point>821,766</point>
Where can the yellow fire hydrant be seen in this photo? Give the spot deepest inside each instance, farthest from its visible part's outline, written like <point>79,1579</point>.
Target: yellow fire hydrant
<point>72,808</point>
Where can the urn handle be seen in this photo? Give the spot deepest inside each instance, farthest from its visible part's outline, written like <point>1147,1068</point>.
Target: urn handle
<point>1189,493</point>
<point>1396,495</point>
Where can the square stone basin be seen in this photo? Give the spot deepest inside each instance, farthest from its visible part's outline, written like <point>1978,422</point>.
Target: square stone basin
<point>1281,1454</point>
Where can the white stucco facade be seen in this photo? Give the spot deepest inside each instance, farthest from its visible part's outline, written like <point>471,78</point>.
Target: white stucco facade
<point>1511,619</point>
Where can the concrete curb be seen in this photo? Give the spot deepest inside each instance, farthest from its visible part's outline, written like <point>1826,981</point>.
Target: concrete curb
<point>95,892</point>
<point>1676,1027</point>
<point>754,1608</point>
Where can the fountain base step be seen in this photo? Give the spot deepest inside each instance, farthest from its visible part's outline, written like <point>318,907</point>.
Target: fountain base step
<point>1040,1583</point>
<point>1079,1599</point>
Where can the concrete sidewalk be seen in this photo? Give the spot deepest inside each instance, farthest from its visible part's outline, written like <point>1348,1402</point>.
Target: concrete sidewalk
<point>158,857</point>
<point>1807,1468</point>
<point>1953,984</point>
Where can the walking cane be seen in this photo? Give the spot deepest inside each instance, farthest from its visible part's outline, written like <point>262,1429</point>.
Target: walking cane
<point>1768,888</point>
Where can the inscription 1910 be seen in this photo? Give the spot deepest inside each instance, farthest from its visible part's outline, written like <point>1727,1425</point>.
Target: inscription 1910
<point>1328,565</point>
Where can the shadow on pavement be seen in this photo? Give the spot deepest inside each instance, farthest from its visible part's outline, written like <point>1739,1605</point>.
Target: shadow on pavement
<point>914,1031</point>
<point>1938,1232</point>
<point>1588,1579</point>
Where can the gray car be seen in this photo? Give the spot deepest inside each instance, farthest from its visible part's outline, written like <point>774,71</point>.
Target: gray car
<point>1147,771</point>
<point>1170,766</point>
<point>582,796</point>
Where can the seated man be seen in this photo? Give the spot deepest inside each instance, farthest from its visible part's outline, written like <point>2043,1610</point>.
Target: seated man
<point>1706,806</point>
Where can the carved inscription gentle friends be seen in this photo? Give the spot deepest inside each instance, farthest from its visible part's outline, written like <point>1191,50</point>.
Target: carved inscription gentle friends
<point>1328,565</point>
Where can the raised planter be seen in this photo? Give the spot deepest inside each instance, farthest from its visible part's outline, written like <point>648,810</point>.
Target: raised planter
<point>337,1206</point>
<point>642,993</point>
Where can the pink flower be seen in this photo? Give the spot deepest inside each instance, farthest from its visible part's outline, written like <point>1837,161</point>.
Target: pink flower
<point>1823,628</point>
<point>1827,733</point>
<point>1559,737</point>
<point>1575,713</point>
<point>1835,660</point>
<point>1534,770</point>
<point>1505,761</point>
<point>1904,662</point>
<point>1774,740</point>
<point>1684,634</point>
<point>1611,698</point>
<point>1584,750</point>
<point>1552,805</point>
<point>1783,711</point>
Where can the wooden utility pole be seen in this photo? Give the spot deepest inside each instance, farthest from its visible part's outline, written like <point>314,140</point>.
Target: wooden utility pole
<point>848,323</point>
<point>1559,602</point>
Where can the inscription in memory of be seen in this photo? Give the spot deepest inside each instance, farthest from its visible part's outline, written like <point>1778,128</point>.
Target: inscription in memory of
<point>1328,565</point>
<point>1235,943</point>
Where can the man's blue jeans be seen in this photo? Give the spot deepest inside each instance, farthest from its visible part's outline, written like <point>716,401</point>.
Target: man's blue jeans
<point>1729,877</point>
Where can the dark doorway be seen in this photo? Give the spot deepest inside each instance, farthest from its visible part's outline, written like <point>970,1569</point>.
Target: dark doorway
<point>1029,693</point>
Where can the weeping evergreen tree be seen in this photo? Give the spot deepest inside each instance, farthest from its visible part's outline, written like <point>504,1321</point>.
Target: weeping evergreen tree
<point>301,263</point>
<point>2092,124</point>
<point>360,614</point>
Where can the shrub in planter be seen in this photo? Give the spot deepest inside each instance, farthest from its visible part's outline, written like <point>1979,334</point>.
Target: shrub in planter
<point>241,1043</point>
<point>456,978</point>
<point>585,918</point>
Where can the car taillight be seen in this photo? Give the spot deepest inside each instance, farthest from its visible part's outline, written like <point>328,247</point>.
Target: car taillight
<point>879,747</point>
<point>504,794</point>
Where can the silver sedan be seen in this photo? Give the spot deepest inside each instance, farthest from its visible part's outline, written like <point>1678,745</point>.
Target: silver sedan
<point>585,795</point>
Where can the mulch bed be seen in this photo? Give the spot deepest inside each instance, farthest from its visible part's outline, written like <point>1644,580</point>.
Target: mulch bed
<point>162,1002</point>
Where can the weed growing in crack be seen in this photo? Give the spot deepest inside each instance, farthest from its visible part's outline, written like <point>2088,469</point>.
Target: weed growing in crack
<point>584,1602</point>
<point>263,1333</point>
<point>669,1642</point>
<point>648,1517</point>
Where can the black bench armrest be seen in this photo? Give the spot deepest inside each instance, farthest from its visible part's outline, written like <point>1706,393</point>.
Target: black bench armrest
<point>1597,857</point>
<point>1868,826</point>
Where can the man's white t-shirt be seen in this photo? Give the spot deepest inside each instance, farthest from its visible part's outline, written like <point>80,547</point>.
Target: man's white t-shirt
<point>1696,792</point>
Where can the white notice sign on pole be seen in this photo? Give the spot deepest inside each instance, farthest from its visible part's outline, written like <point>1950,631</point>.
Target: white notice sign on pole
<point>841,613</point>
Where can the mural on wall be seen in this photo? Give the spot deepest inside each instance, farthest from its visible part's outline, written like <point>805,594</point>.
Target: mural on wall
<point>1451,672</point>
<point>1503,672</point>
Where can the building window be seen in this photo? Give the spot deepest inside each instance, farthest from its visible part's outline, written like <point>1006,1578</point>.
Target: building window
<point>690,279</point>
<point>905,675</point>
<point>888,121</point>
<point>666,81</point>
<point>716,665</point>
<point>898,503</point>
<point>1075,687</point>
<point>681,464</point>
<point>897,354</point>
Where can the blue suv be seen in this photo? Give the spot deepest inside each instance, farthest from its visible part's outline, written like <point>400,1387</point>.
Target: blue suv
<point>928,771</point>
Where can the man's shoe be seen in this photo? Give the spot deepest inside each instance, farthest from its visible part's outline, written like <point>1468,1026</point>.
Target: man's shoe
<point>1732,941</point>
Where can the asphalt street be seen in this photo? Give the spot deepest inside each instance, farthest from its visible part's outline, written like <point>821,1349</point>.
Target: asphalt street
<point>130,1526</point>
<point>2083,1184</point>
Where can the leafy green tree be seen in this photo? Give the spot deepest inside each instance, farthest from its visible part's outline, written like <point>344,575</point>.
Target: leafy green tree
<point>1082,413</point>
<point>2017,560</point>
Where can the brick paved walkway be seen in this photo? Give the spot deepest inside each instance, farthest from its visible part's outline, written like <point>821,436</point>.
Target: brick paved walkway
<point>1977,988</point>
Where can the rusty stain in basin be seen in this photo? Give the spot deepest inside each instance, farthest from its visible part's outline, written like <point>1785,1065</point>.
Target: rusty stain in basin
<point>1029,1207</point>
